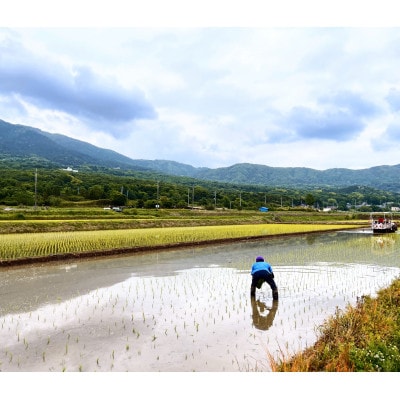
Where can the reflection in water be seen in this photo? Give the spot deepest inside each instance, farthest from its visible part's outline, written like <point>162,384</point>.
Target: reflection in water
<point>186,309</point>
<point>310,239</point>
<point>383,244</point>
<point>263,316</point>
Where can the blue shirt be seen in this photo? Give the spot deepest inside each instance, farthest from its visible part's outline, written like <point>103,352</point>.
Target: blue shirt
<point>260,266</point>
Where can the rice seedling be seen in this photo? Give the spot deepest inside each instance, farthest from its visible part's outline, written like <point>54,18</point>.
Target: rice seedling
<point>28,245</point>
<point>201,302</point>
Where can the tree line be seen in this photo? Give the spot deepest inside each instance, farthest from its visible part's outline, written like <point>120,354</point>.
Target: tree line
<point>54,187</point>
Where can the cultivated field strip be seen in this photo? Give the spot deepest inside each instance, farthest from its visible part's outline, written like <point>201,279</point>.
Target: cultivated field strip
<point>31,245</point>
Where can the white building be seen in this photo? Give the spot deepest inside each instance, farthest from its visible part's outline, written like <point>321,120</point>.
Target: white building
<point>69,169</point>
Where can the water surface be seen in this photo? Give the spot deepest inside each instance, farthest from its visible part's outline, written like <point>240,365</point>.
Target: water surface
<point>186,310</point>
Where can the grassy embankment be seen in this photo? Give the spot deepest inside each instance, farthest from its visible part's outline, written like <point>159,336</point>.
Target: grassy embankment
<point>364,337</point>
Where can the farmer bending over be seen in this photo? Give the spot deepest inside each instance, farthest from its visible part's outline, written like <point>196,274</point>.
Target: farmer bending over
<point>262,272</point>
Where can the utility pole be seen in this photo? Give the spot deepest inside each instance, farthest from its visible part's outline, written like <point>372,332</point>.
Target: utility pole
<point>158,195</point>
<point>35,189</point>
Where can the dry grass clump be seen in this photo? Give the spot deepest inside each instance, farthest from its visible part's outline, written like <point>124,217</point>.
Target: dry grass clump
<point>364,337</point>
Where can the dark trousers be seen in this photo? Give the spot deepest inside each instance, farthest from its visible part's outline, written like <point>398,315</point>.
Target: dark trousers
<point>259,278</point>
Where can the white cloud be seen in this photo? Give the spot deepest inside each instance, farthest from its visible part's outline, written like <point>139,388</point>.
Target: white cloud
<point>314,97</point>
<point>78,91</point>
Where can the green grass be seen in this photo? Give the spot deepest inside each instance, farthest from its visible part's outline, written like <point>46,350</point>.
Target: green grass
<point>365,337</point>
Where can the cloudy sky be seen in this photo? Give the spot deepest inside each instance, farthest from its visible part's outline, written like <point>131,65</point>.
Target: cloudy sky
<point>210,94</point>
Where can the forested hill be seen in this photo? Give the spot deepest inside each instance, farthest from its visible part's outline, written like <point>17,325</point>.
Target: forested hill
<point>18,142</point>
<point>380,177</point>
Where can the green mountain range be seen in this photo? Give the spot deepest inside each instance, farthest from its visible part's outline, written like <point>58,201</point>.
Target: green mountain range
<point>19,142</point>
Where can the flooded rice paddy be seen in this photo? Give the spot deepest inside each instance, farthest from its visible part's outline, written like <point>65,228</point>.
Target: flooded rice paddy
<point>186,310</point>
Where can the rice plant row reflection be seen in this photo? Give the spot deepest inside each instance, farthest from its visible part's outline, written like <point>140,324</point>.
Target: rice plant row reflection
<point>198,319</point>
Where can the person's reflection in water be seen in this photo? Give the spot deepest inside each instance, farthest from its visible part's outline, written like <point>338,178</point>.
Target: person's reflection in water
<point>263,320</point>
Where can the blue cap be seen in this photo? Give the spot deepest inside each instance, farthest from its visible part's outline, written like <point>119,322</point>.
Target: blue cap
<point>259,258</point>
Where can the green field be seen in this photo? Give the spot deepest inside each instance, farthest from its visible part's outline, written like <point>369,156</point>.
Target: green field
<point>24,220</point>
<point>31,245</point>
<point>29,233</point>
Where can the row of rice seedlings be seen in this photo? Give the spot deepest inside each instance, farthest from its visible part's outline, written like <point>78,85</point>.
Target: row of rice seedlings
<point>14,246</point>
<point>309,295</point>
<point>352,250</point>
<point>135,316</point>
<point>198,319</point>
